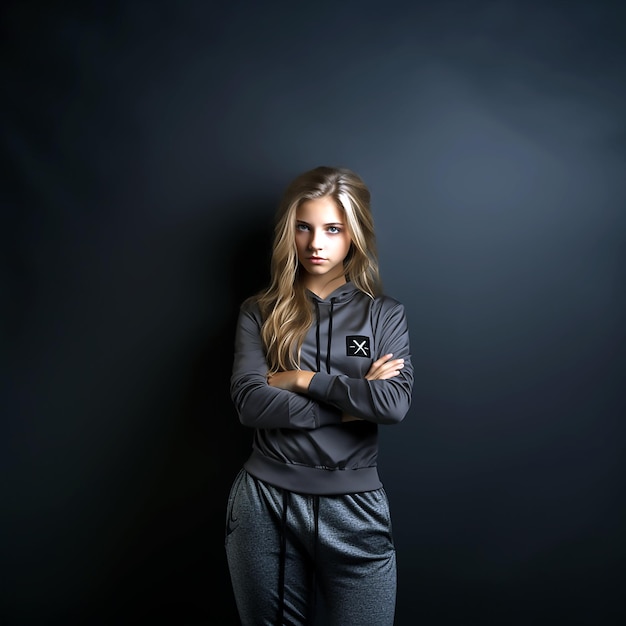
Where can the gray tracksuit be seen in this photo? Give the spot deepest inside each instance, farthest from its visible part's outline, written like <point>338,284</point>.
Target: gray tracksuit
<point>305,458</point>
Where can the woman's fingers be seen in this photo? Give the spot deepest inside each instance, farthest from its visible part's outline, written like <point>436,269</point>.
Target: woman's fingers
<point>384,374</point>
<point>384,368</point>
<point>380,362</point>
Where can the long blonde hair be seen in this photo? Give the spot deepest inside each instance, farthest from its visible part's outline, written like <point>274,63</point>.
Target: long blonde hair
<point>285,307</point>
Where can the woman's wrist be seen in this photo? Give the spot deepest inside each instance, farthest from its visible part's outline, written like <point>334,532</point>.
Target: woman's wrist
<point>304,380</point>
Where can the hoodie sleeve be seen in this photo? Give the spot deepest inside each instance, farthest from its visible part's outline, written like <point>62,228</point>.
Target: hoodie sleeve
<point>258,404</point>
<point>380,401</point>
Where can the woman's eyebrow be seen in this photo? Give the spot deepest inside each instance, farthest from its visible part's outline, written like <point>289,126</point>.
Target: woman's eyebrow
<point>328,224</point>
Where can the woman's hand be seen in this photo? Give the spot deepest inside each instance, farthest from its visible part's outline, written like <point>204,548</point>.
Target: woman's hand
<point>384,368</point>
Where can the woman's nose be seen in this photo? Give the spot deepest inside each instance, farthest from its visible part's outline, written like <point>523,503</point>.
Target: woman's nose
<point>315,243</point>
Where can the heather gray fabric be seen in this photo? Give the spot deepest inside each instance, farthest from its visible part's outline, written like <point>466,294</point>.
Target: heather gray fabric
<point>339,546</point>
<point>300,442</point>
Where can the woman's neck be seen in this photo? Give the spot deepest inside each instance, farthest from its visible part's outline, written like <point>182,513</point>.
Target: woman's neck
<point>322,287</point>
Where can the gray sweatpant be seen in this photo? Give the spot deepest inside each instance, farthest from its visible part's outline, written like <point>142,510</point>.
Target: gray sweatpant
<point>290,554</point>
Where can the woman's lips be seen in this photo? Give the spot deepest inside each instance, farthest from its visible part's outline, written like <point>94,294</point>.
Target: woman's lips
<point>316,259</point>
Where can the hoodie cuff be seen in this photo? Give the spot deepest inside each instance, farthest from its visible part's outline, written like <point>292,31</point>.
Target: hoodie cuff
<point>319,387</point>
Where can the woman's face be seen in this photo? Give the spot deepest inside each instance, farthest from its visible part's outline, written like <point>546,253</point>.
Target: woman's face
<point>322,240</point>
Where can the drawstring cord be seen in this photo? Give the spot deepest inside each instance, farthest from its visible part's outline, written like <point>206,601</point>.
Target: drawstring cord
<point>318,358</point>
<point>283,554</point>
<point>316,516</point>
<point>317,335</point>
<point>283,551</point>
<point>330,333</point>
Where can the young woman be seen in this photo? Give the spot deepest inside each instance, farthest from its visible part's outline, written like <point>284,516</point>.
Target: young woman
<point>321,359</point>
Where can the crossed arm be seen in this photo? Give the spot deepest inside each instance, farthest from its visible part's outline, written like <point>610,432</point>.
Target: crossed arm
<point>298,381</point>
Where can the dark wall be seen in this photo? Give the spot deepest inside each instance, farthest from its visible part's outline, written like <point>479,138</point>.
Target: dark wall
<point>145,147</point>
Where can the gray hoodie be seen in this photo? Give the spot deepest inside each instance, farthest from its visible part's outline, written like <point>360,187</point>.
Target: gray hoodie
<point>300,442</point>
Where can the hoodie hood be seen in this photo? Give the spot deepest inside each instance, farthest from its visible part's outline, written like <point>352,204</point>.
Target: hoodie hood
<point>343,293</point>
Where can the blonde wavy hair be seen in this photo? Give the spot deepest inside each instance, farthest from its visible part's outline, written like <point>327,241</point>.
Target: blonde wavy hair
<point>285,308</point>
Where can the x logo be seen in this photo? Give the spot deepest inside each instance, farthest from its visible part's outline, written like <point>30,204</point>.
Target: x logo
<point>357,345</point>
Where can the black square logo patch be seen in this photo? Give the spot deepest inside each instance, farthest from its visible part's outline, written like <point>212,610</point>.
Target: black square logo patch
<point>358,345</point>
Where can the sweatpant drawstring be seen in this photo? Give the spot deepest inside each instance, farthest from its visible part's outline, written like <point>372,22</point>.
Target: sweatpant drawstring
<point>316,516</point>
<point>283,551</point>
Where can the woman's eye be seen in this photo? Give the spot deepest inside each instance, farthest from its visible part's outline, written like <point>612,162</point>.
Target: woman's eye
<point>334,230</point>
<point>302,227</point>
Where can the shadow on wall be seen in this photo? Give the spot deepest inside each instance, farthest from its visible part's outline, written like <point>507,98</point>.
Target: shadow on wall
<point>172,568</point>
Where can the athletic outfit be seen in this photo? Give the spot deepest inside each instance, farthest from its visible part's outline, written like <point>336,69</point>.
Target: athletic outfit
<point>307,513</point>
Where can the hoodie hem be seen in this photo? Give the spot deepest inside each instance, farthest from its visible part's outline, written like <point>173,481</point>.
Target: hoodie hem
<point>312,480</point>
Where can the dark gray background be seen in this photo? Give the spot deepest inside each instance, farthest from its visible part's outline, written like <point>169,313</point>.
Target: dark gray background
<point>146,145</point>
